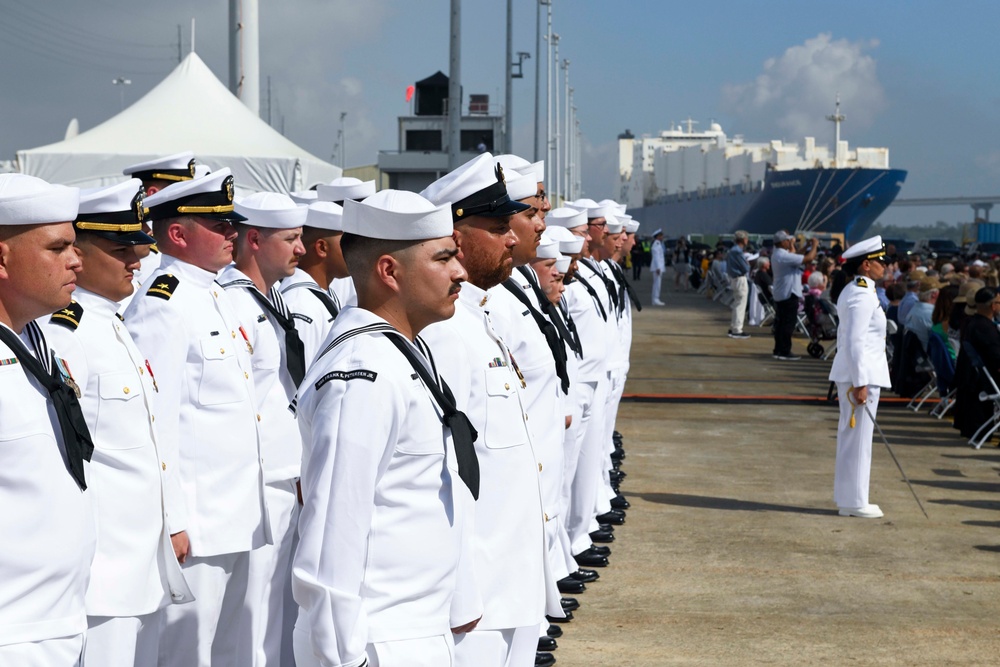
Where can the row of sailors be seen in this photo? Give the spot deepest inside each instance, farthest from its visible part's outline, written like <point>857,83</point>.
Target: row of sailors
<point>267,450</point>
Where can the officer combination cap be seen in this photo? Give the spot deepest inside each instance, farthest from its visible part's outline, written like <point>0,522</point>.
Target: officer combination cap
<point>872,248</point>
<point>271,210</point>
<point>116,213</point>
<point>478,187</point>
<point>569,243</point>
<point>519,186</point>
<point>659,230</point>
<point>177,167</point>
<point>27,200</point>
<point>341,189</point>
<point>397,215</point>
<point>548,248</point>
<point>567,217</point>
<point>207,197</point>
<point>325,215</point>
<point>562,263</point>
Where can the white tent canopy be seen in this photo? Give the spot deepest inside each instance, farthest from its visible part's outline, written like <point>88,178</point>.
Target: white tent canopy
<point>190,110</point>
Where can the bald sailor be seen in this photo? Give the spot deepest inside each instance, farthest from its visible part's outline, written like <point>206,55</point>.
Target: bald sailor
<point>384,570</point>
<point>268,248</point>
<point>135,573</point>
<point>860,370</point>
<point>185,323</point>
<point>510,556</point>
<point>48,511</point>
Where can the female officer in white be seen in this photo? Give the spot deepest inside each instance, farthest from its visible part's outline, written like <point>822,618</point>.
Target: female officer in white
<point>860,370</point>
<point>135,572</point>
<point>383,571</point>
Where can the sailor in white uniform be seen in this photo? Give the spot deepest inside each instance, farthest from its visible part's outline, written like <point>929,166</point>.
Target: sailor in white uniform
<point>183,321</point>
<point>135,573</point>
<point>658,264</point>
<point>384,570</point>
<point>268,249</point>
<point>860,370</point>
<point>338,191</point>
<point>517,587</point>
<point>44,440</point>
<point>306,291</point>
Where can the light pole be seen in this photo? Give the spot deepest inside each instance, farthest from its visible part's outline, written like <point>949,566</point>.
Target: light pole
<point>556,121</point>
<point>568,139</point>
<point>538,72</point>
<point>121,81</point>
<point>343,141</point>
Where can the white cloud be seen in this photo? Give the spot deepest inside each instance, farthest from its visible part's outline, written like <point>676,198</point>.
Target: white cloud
<point>796,91</point>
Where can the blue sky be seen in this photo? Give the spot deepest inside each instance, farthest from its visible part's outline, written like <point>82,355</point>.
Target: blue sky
<point>918,77</point>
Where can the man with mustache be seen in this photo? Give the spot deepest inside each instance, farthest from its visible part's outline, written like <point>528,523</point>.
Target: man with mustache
<point>268,248</point>
<point>384,569</point>
<point>510,557</point>
<point>185,323</point>
<point>48,514</point>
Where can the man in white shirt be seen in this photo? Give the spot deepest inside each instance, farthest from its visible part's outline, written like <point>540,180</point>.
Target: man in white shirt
<point>787,266</point>
<point>185,324</point>
<point>384,571</point>
<point>45,566</point>
<point>658,265</point>
<point>511,563</point>
<point>135,573</point>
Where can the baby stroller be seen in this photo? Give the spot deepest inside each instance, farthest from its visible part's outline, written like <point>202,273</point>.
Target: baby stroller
<point>820,324</point>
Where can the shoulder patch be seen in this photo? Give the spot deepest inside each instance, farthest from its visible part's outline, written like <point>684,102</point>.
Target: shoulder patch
<point>346,376</point>
<point>69,316</point>
<point>861,282</point>
<point>163,286</point>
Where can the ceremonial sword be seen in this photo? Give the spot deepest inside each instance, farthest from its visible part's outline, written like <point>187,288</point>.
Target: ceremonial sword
<point>893,455</point>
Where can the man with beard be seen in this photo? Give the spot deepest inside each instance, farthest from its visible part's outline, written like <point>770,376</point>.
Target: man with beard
<point>48,517</point>
<point>184,322</point>
<point>510,557</point>
<point>268,248</point>
<point>384,570</point>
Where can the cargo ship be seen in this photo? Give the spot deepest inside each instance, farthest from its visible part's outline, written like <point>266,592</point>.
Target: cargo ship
<point>687,181</point>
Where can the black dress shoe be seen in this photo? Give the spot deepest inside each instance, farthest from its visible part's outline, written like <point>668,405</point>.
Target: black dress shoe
<point>606,527</point>
<point>547,644</point>
<point>544,660</point>
<point>616,434</point>
<point>612,518</point>
<point>585,576</point>
<point>554,631</point>
<point>618,454</point>
<point>617,476</point>
<point>616,487</point>
<point>602,536</point>
<point>570,586</point>
<point>591,559</point>
<point>620,503</point>
<point>600,550</point>
<point>569,604</point>
<point>553,619</point>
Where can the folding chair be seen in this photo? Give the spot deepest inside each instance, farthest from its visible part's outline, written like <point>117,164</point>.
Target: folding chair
<point>922,365</point>
<point>990,426</point>
<point>944,368</point>
<point>767,303</point>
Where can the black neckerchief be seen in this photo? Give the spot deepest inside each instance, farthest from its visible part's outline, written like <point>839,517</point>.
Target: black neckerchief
<point>548,331</point>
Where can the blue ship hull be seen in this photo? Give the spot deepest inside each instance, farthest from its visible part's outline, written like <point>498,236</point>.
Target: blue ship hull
<point>845,201</point>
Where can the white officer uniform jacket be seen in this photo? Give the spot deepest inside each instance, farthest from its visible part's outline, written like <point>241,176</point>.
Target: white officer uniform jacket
<point>313,320</point>
<point>385,532</point>
<point>134,571</point>
<point>658,261</point>
<point>860,356</point>
<point>206,414</point>
<point>48,520</point>
<point>543,393</point>
<point>280,443</point>
<point>511,564</point>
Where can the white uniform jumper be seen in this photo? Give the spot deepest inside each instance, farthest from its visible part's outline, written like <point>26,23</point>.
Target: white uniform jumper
<point>206,413</point>
<point>313,309</point>
<point>45,567</point>
<point>135,573</point>
<point>860,362</point>
<point>384,568</point>
<point>270,607</point>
